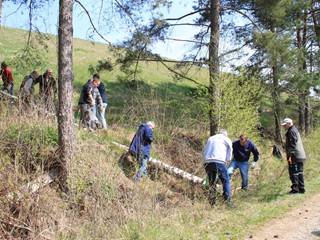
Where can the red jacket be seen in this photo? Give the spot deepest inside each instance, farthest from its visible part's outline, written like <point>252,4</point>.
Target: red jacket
<point>7,75</point>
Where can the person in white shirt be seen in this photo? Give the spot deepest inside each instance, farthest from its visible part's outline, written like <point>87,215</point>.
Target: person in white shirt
<point>216,154</point>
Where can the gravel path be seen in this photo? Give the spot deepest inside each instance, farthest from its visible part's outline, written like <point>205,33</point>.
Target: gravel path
<point>301,223</point>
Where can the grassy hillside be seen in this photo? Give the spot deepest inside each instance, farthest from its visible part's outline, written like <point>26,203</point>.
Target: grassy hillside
<point>104,202</point>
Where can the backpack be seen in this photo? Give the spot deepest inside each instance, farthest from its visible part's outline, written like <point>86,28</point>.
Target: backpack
<point>276,152</point>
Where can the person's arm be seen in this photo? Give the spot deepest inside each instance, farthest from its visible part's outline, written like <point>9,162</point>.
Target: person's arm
<point>229,150</point>
<point>91,99</point>
<point>255,153</point>
<point>22,89</point>
<point>37,80</point>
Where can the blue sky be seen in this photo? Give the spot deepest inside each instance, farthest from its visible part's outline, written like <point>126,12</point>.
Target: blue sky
<point>47,20</point>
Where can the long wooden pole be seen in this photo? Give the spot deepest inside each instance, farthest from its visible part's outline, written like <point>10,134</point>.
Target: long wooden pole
<point>170,169</point>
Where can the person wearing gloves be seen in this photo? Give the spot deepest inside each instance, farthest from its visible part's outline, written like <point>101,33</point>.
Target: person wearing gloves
<point>296,156</point>
<point>216,154</point>
<point>242,148</point>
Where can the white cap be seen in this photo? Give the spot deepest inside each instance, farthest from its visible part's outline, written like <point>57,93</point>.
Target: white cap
<point>286,120</point>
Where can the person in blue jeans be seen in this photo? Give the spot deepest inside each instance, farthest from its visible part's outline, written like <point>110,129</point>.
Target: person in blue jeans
<point>242,148</point>
<point>216,154</point>
<point>140,147</point>
<point>102,109</point>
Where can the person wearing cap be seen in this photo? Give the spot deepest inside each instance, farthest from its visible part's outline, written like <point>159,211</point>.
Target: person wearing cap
<point>47,89</point>
<point>140,147</point>
<point>242,148</point>
<point>216,154</point>
<point>7,78</point>
<point>295,156</point>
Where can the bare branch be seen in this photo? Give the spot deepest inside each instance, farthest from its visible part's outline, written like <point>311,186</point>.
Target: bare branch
<point>233,50</point>
<point>243,14</point>
<point>92,24</point>
<point>181,75</point>
<point>187,15</point>
<point>185,40</point>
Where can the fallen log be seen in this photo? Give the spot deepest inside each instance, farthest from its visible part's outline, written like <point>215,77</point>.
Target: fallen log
<point>8,95</point>
<point>170,169</point>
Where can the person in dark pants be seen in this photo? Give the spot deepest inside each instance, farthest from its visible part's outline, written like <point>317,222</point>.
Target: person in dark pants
<point>242,148</point>
<point>295,156</point>
<point>216,154</point>
<point>140,147</point>
<point>87,103</point>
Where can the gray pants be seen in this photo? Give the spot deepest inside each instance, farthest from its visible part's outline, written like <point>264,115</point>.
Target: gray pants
<point>86,116</point>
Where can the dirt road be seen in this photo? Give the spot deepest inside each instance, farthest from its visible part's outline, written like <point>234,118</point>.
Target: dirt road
<point>301,223</point>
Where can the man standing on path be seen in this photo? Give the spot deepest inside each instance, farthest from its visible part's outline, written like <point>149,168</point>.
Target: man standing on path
<point>7,78</point>
<point>216,154</point>
<point>242,148</point>
<point>140,147</point>
<point>295,156</point>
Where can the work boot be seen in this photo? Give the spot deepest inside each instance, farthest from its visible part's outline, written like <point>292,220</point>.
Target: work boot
<point>230,204</point>
<point>293,191</point>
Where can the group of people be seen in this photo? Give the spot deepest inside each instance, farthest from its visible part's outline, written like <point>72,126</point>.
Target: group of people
<point>47,87</point>
<point>93,103</point>
<point>219,150</point>
<point>47,90</point>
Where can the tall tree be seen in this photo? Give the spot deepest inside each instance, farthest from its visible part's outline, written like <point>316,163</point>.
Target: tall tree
<point>205,18</point>
<point>65,116</point>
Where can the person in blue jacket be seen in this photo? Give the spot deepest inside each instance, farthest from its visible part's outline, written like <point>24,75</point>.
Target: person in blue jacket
<point>140,147</point>
<point>242,148</point>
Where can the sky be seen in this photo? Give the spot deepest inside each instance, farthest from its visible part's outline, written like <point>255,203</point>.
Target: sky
<point>47,21</point>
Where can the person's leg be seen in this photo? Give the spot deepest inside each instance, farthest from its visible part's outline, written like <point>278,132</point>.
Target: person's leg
<point>101,116</point>
<point>244,171</point>
<point>300,178</point>
<point>225,179</point>
<point>143,168</point>
<point>11,88</point>
<point>212,171</point>
<point>93,118</point>
<point>294,177</point>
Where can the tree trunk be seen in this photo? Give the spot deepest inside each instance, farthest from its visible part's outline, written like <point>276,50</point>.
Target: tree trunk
<point>0,13</point>
<point>276,104</point>
<point>301,110</point>
<point>308,120</point>
<point>65,116</point>
<point>214,65</point>
<point>316,23</point>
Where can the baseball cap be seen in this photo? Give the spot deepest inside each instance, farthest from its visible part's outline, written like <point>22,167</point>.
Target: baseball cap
<point>286,120</point>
